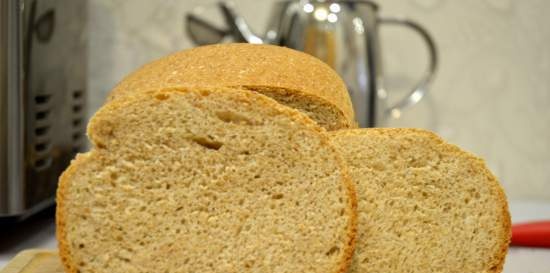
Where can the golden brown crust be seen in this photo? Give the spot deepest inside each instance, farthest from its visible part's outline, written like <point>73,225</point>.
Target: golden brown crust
<point>296,116</point>
<point>318,101</point>
<point>352,226</point>
<point>497,262</point>
<point>237,65</point>
<point>352,193</point>
<point>64,181</point>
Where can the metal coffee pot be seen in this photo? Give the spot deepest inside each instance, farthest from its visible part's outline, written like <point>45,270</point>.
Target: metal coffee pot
<point>344,34</point>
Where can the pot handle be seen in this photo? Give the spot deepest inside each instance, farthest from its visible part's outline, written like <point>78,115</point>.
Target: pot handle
<point>420,89</point>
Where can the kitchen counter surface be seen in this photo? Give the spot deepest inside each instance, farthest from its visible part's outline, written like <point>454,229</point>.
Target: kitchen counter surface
<point>40,233</point>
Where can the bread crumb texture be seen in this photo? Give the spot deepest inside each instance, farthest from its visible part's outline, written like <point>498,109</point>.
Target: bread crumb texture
<point>424,205</point>
<point>291,77</point>
<point>205,180</point>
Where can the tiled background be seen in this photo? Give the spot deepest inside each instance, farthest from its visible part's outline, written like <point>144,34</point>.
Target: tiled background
<point>491,94</point>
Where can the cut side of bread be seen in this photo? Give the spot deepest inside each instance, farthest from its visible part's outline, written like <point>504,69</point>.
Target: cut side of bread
<point>424,205</point>
<point>205,180</point>
<point>291,77</point>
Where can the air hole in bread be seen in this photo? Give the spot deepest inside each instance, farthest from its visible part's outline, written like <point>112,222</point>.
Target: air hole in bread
<point>204,93</point>
<point>100,145</point>
<point>378,166</point>
<point>332,251</point>
<point>113,176</point>
<point>277,196</point>
<point>207,143</point>
<point>248,264</point>
<point>238,231</point>
<point>417,163</point>
<point>231,117</point>
<point>162,96</point>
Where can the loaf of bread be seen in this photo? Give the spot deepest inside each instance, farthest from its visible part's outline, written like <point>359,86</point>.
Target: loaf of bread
<point>205,180</point>
<point>290,77</point>
<point>424,205</point>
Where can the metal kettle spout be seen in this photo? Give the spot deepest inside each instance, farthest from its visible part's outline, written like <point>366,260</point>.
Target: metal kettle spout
<point>238,28</point>
<point>203,32</point>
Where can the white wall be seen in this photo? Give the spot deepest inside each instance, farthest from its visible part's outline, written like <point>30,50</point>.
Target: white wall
<point>491,95</point>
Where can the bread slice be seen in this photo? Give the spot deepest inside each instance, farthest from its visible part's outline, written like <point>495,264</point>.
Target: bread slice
<point>293,78</point>
<point>424,205</point>
<point>211,180</point>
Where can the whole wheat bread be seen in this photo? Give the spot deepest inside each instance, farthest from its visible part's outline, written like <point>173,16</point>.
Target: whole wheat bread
<point>293,78</point>
<point>205,180</point>
<point>424,205</point>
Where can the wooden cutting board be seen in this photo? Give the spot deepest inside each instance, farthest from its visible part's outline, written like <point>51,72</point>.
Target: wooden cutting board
<point>35,261</point>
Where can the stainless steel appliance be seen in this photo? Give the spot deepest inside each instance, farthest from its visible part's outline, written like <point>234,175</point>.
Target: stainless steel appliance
<point>343,33</point>
<point>42,99</point>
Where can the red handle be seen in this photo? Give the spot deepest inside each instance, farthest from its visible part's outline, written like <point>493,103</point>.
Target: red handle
<point>535,234</point>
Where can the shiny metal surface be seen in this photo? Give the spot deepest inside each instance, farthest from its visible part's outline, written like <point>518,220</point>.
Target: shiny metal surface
<point>238,26</point>
<point>43,99</point>
<point>11,110</point>
<point>420,89</point>
<point>344,34</point>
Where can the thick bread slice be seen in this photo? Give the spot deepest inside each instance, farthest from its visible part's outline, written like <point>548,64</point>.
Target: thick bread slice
<point>291,77</point>
<point>211,180</point>
<point>424,205</point>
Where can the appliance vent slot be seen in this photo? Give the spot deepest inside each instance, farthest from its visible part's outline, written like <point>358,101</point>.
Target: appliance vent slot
<point>42,133</point>
<point>41,99</point>
<point>76,149</point>
<point>43,163</point>
<point>44,159</point>
<point>76,136</point>
<point>77,108</point>
<point>77,94</point>
<point>41,147</point>
<point>78,120</point>
<point>42,115</point>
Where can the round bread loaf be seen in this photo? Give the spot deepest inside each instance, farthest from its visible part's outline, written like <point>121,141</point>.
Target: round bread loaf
<point>424,205</point>
<point>205,180</point>
<point>293,78</point>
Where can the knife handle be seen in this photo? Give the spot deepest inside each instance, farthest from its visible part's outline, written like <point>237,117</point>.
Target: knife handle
<point>533,234</point>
